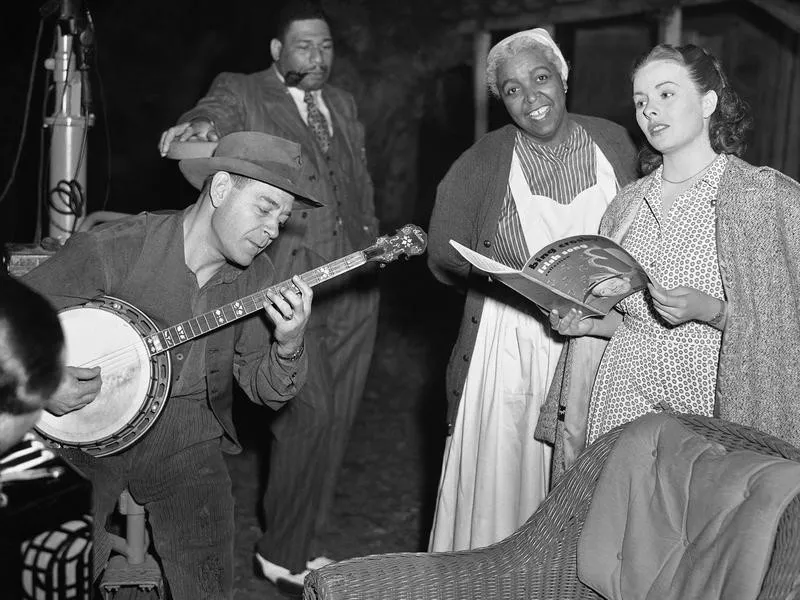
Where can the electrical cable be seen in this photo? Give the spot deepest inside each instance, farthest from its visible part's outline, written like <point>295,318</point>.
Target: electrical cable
<point>26,114</point>
<point>103,106</point>
<point>44,166</point>
<point>37,235</point>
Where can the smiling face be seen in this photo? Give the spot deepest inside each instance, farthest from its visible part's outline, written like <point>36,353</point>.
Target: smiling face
<point>247,220</point>
<point>307,48</point>
<point>670,110</point>
<point>532,91</point>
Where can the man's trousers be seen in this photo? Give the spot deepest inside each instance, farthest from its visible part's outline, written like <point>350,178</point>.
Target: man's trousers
<point>310,433</point>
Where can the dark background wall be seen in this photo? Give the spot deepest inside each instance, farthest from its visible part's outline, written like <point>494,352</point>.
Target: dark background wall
<point>408,66</point>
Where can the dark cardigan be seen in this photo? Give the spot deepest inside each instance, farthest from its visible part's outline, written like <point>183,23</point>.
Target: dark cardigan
<point>467,209</point>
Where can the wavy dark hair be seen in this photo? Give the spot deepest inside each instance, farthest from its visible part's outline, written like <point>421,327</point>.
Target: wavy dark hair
<point>728,126</point>
<point>298,10</point>
<point>31,342</point>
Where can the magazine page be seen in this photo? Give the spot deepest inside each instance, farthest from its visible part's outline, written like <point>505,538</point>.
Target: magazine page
<point>537,291</point>
<point>592,269</point>
<point>484,263</point>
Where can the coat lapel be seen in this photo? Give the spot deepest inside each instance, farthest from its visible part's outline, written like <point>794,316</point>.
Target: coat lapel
<point>285,110</point>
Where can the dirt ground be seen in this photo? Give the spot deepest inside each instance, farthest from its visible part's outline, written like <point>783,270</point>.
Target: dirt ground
<point>387,487</point>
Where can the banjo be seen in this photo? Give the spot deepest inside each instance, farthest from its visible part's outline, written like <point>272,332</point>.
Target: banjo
<point>134,353</point>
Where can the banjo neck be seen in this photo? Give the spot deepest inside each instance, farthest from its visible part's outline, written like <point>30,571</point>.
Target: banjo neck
<point>168,338</point>
<point>139,388</point>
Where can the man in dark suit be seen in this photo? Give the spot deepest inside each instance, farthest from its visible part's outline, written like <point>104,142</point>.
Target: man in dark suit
<point>293,99</point>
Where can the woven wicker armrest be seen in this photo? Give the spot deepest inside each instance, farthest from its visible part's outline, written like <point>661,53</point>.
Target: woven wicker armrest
<point>537,561</point>
<point>540,559</point>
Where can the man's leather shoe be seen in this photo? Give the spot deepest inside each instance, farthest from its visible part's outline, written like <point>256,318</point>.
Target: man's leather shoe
<point>289,584</point>
<point>319,562</point>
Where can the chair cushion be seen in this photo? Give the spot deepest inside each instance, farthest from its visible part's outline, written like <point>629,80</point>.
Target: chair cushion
<point>675,516</point>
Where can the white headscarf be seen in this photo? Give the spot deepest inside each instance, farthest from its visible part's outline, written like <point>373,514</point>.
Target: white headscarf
<point>539,36</point>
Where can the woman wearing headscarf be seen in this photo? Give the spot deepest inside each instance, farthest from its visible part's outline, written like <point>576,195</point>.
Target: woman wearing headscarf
<point>548,175</point>
<point>719,331</point>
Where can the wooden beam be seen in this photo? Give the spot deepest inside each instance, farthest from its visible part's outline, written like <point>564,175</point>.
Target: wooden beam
<point>670,28</point>
<point>786,12</point>
<point>482,41</point>
<point>576,13</point>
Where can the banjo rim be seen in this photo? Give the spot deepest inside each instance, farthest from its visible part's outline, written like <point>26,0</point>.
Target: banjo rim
<point>150,407</point>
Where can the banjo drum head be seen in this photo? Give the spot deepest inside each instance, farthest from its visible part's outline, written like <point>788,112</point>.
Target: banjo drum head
<point>98,337</point>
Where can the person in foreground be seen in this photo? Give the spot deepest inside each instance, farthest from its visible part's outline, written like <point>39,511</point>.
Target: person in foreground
<point>293,99</point>
<point>31,359</point>
<point>717,332</point>
<point>173,266</point>
<point>548,175</point>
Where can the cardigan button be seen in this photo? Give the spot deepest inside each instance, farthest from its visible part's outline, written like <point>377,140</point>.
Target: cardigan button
<point>466,357</point>
<point>474,319</point>
<point>455,392</point>
<point>487,243</point>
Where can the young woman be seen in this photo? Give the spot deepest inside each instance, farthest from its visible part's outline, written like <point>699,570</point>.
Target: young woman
<point>718,332</point>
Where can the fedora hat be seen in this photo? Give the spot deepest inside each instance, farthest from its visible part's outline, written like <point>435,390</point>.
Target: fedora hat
<point>260,156</point>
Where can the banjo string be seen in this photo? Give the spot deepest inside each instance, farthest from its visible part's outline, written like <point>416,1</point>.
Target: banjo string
<point>125,355</point>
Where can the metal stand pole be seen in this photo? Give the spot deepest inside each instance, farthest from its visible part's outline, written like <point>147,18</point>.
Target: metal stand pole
<point>69,124</point>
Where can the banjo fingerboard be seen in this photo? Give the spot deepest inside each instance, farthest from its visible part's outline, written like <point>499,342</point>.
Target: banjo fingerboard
<point>175,335</point>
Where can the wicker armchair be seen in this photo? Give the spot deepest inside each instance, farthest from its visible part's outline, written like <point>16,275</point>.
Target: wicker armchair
<point>540,559</point>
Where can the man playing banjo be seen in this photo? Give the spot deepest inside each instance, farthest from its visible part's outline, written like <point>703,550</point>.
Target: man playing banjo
<point>177,267</point>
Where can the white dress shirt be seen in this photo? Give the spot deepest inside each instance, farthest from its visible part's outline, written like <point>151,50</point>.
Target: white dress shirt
<point>298,96</point>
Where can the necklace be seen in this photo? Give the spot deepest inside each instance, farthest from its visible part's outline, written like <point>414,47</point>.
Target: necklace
<point>703,170</point>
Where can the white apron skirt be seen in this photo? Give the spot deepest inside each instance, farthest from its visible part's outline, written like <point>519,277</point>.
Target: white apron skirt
<point>495,474</point>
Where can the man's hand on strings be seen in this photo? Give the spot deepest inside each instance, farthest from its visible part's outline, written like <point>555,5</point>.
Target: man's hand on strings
<point>78,388</point>
<point>289,310</point>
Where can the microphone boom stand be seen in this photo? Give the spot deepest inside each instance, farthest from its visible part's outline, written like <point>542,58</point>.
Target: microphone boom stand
<point>69,124</point>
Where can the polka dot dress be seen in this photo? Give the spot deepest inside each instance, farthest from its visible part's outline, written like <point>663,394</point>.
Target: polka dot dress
<point>650,365</point>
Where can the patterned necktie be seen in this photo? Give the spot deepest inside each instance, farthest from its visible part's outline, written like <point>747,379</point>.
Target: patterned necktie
<point>318,123</point>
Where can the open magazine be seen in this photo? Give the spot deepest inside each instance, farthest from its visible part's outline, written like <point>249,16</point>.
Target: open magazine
<point>591,273</point>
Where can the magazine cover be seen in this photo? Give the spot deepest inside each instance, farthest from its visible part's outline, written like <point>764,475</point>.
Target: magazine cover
<point>590,273</point>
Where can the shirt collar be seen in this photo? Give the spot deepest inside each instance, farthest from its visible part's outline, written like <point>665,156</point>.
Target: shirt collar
<point>561,149</point>
<point>710,178</point>
<point>295,91</point>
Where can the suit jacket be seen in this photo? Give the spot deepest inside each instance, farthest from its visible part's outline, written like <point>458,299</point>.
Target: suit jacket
<point>260,102</point>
